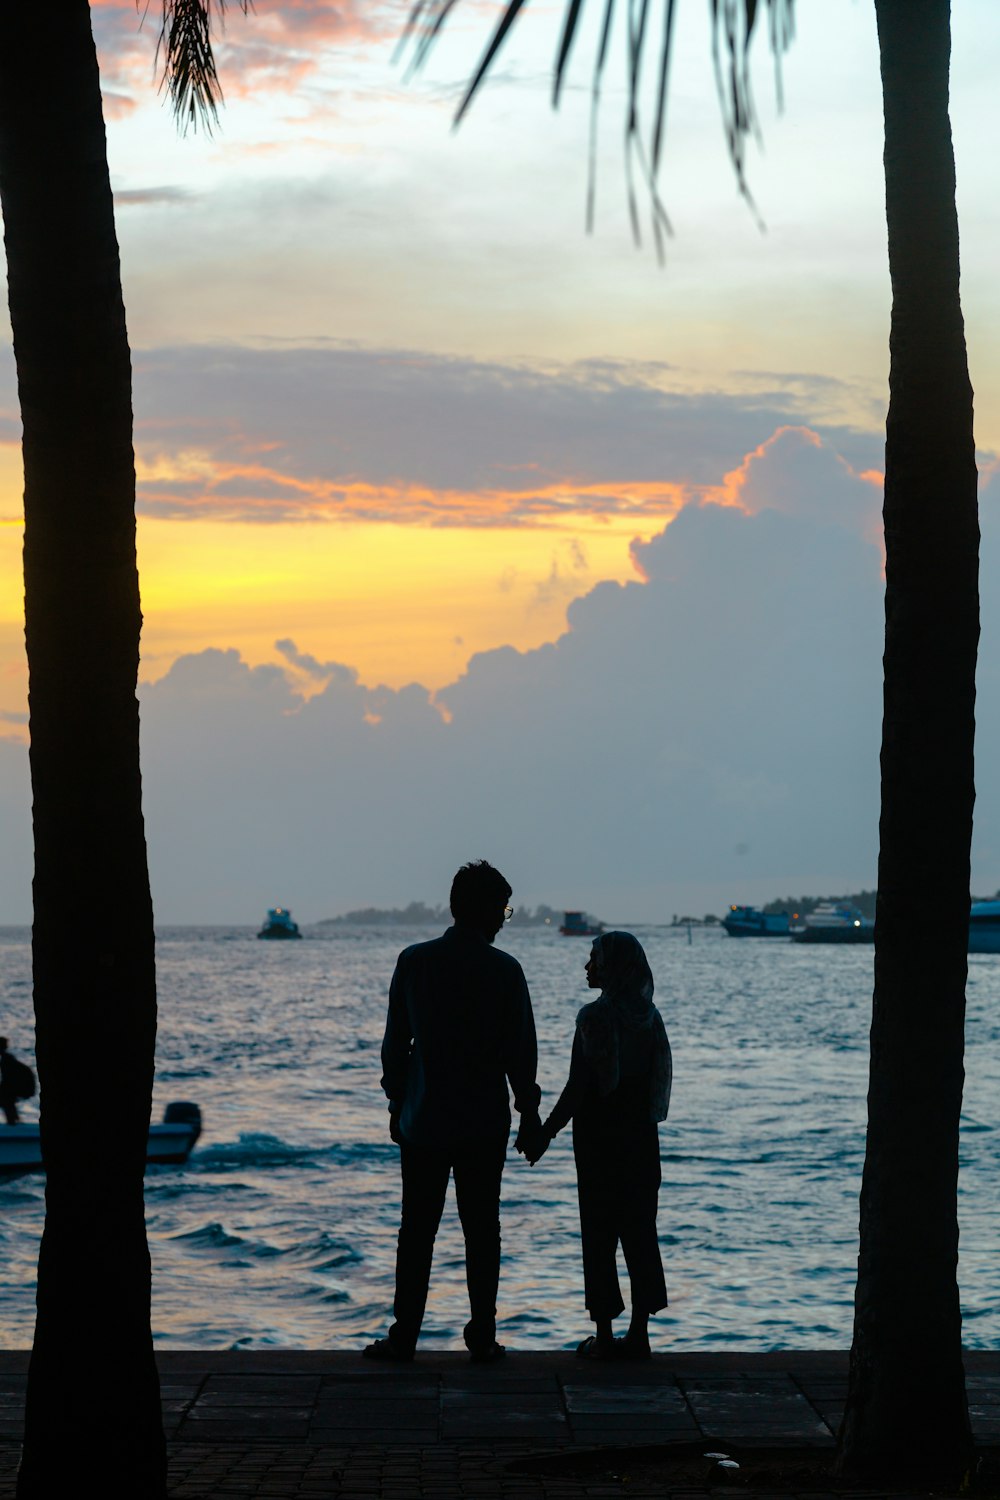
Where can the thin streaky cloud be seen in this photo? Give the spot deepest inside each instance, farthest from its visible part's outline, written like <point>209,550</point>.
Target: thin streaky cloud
<point>290,432</point>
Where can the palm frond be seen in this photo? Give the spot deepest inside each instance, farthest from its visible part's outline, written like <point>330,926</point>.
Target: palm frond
<point>496,42</point>
<point>733,23</point>
<point>185,49</point>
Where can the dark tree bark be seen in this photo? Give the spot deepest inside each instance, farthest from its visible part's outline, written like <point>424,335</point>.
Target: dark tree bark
<point>92,938</point>
<point>906,1412</point>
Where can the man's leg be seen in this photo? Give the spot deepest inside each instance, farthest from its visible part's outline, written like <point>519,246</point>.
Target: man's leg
<point>9,1106</point>
<point>477,1189</point>
<point>425,1183</point>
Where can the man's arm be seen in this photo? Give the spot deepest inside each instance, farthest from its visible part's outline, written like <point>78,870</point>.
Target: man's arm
<point>396,1042</point>
<point>521,1061</point>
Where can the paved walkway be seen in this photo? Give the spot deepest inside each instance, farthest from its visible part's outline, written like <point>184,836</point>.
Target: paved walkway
<point>244,1424</point>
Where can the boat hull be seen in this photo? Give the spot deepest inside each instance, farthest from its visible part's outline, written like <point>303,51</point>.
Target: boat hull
<point>21,1147</point>
<point>745,930</point>
<point>750,922</point>
<point>840,935</point>
<point>984,927</point>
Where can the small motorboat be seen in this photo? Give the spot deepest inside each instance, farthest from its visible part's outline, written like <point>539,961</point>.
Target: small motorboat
<point>171,1142</point>
<point>279,924</point>
<point>578,924</point>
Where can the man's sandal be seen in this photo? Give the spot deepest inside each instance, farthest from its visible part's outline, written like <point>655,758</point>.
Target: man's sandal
<point>388,1349</point>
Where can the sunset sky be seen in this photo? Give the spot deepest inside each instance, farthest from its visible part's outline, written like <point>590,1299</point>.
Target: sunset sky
<point>395,408</point>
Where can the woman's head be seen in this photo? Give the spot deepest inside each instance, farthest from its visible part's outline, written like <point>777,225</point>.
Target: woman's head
<point>618,966</point>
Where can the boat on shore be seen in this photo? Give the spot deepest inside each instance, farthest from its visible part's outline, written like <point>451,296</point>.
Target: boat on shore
<point>984,927</point>
<point>748,921</point>
<point>830,923</point>
<point>577,924</point>
<point>171,1142</point>
<point>279,925</point>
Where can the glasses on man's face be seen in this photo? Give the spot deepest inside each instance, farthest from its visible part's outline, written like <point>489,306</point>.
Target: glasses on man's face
<point>508,912</point>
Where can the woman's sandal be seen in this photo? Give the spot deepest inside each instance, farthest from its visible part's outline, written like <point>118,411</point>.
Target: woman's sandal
<point>621,1348</point>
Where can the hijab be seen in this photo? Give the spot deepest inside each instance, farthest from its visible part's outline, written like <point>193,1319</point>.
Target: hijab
<point>625,1005</point>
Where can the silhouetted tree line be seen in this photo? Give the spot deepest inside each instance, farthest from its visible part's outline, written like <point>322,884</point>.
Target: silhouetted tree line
<point>418,913</point>
<point>864,901</point>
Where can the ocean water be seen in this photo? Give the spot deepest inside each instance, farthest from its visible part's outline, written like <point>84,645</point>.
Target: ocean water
<point>280,1231</point>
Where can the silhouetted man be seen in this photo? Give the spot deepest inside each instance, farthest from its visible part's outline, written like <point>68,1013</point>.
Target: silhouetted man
<point>17,1081</point>
<point>459,1027</point>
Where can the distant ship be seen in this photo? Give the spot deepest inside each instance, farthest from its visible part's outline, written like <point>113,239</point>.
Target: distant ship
<point>577,924</point>
<point>829,923</point>
<point>279,924</point>
<point>984,927</point>
<point>747,921</point>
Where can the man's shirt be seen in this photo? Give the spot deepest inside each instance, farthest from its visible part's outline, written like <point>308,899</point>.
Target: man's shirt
<point>459,1027</point>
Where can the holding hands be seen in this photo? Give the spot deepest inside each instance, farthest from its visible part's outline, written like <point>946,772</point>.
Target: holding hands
<point>532,1140</point>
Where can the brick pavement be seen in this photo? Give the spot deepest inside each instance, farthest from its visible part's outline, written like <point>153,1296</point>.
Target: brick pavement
<point>258,1425</point>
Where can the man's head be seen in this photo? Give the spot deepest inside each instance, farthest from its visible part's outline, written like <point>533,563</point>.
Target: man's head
<point>479,896</point>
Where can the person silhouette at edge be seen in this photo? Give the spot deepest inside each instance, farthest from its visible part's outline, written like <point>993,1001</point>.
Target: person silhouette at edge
<point>459,1027</point>
<point>11,1087</point>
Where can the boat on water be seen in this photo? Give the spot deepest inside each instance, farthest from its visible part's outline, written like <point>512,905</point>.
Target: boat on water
<point>748,921</point>
<point>171,1142</point>
<point>279,924</point>
<point>984,927</point>
<point>830,923</point>
<point>577,924</point>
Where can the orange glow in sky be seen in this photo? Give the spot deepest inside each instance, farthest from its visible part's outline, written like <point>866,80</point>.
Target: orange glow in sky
<point>400,603</point>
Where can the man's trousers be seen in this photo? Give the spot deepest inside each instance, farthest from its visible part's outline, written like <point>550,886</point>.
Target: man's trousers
<point>477,1171</point>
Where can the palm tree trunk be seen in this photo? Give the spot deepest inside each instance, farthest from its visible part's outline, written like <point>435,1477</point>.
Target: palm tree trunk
<point>906,1413</point>
<point>94,983</point>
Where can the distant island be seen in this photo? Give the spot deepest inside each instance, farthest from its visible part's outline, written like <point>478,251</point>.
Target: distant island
<point>419,914</point>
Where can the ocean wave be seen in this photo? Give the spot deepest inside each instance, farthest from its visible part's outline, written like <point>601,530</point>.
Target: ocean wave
<point>213,1236</point>
<point>259,1149</point>
<point>323,1251</point>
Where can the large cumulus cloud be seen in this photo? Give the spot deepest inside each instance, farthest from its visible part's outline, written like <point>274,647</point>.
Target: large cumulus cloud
<point>708,730</point>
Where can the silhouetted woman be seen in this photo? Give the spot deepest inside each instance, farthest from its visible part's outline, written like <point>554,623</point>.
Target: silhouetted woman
<point>617,1091</point>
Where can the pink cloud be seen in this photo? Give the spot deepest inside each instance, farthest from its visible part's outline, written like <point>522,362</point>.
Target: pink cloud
<point>274,48</point>
<point>202,487</point>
